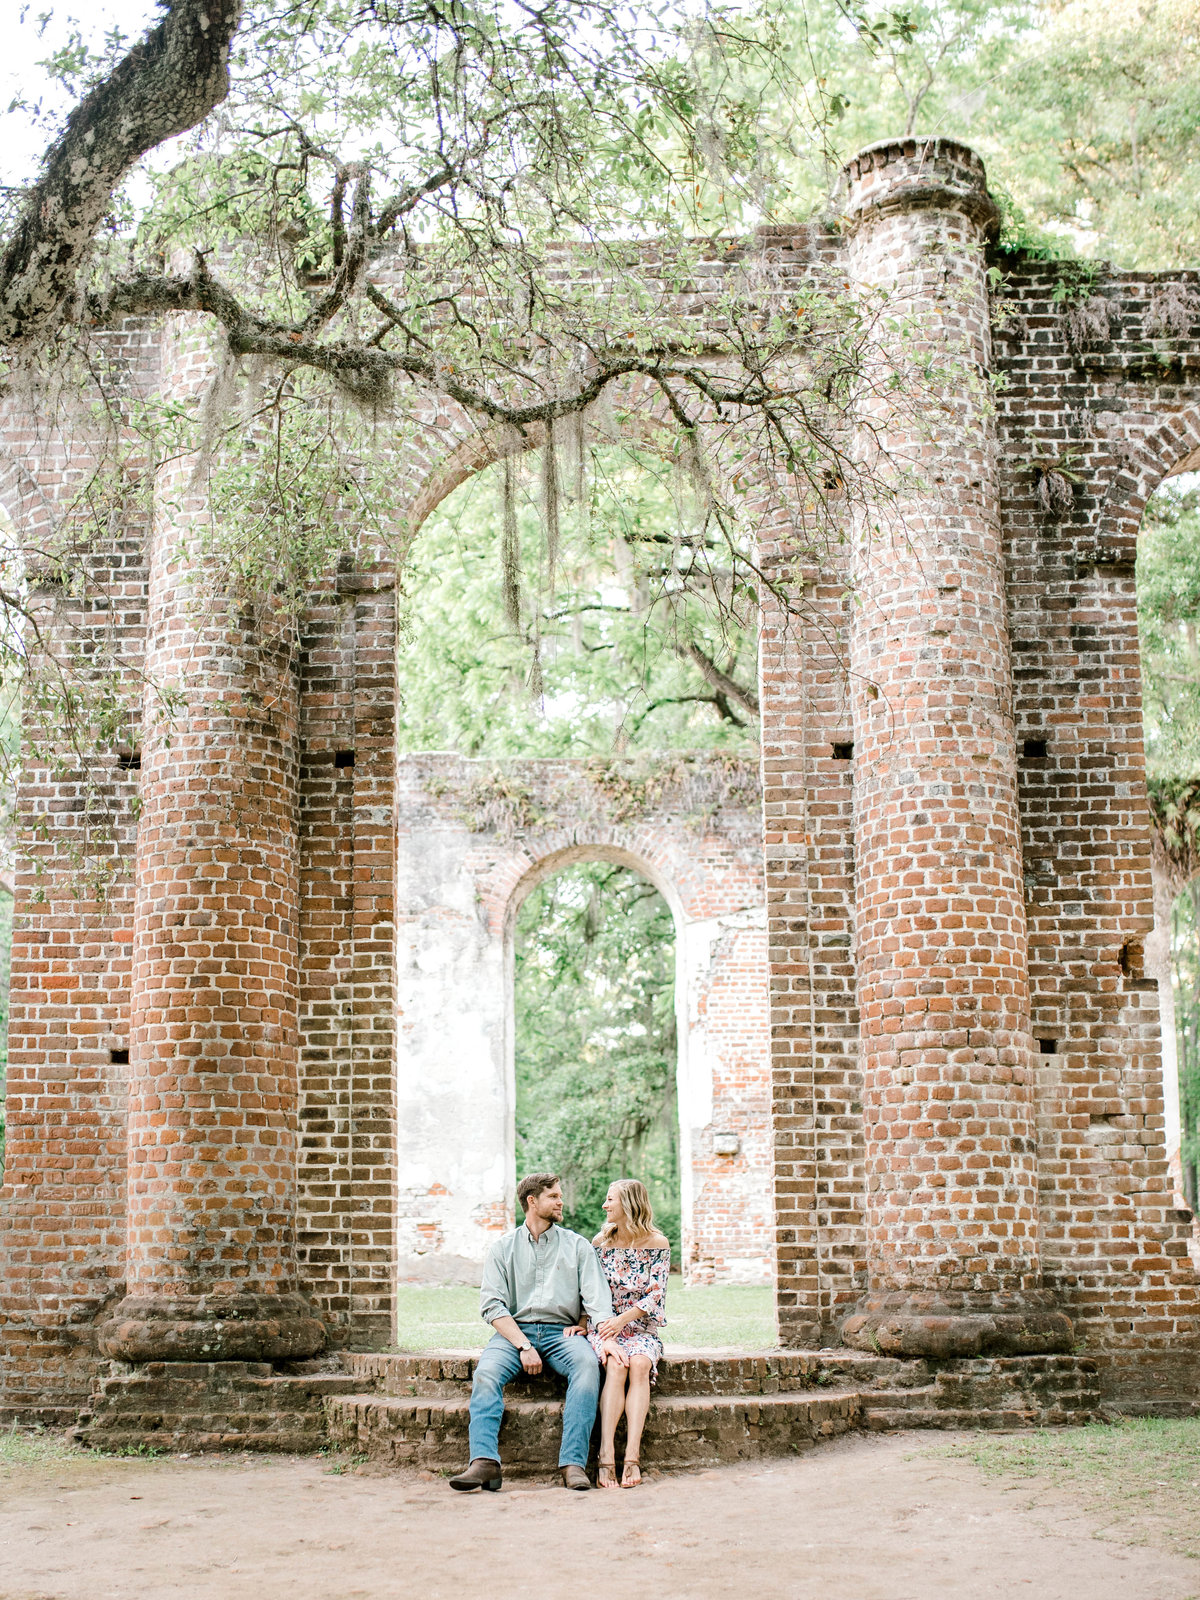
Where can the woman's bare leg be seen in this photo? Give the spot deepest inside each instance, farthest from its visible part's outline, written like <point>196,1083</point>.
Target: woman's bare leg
<point>636,1406</point>
<point>612,1404</point>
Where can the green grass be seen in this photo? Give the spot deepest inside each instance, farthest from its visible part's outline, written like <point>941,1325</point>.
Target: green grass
<point>1141,1477</point>
<point>18,1449</point>
<point>722,1315</point>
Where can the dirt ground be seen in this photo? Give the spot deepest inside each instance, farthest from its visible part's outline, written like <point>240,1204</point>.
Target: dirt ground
<point>893,1518</point>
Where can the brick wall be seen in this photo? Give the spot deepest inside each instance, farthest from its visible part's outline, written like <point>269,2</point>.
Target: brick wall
<point>346,1222</point>
<point>62,1204</point>
<point>1119,412</point>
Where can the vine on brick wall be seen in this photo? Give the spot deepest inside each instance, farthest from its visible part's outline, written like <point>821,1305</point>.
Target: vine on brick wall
<point>498,804</point>
<point>1175,811</point>
<point>693,787</point>
<point>631,788</point>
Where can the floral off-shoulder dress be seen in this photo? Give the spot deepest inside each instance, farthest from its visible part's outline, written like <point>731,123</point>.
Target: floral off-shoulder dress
<point>636,1278</point>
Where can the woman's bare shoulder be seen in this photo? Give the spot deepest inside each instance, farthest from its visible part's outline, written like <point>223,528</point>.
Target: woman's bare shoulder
<point>657,1241</point>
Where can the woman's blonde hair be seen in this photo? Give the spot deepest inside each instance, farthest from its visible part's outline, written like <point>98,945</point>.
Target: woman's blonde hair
<point>635,1203</point>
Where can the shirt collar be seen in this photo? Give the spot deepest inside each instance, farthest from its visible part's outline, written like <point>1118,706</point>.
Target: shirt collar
<point>529,1236</point>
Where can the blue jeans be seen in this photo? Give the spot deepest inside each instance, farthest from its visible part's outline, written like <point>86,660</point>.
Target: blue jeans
<point>500,1363</point>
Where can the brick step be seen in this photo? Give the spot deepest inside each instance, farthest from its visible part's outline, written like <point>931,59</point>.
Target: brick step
<point>709,1406</point>
<point>430,1431</point>
<point>997,1392</point>
<point>195,1406</point>
<point>884,1419</point>
<point>681,1372</point>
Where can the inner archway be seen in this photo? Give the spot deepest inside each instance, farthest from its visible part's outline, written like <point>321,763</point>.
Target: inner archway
<point>596,1040</point>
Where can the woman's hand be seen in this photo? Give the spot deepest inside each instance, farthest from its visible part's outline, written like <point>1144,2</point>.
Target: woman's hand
<point>610,1328</point>
<point>577,1327</point>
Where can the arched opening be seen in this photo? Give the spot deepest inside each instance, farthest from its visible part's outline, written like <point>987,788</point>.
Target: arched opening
<point>578,739</point>
<point>595,1040</point>
<point>1168,586</point>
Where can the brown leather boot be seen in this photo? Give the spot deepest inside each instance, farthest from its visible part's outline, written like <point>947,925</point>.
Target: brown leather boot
<point>481,1474</point>
<point>575,1478</point>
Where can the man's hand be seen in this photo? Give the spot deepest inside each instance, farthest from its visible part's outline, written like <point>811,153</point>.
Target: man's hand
<point>612,1348</point>
<point>576,1327</point>
<point>530,1360</point>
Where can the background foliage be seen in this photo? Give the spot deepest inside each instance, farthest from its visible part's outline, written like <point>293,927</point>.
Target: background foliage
<point>596,656</point>
<point>1086,111</point>
<point>595,1043</point>
<point>1168,589</point>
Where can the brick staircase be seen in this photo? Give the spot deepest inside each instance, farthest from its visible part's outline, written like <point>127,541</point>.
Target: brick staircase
<point>708,1407</point>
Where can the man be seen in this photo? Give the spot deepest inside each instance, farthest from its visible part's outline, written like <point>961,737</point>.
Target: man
<point>538,1280</point>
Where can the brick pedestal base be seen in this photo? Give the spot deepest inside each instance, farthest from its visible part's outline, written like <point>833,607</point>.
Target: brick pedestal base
<point>237,1327</point>
<point>948,1327</point>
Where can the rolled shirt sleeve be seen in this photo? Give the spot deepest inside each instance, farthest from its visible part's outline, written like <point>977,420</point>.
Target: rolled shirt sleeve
<point>594,1293</point>
<point>495,1290</point>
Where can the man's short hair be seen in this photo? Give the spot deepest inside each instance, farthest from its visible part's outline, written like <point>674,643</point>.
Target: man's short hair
<point>536,1183</point>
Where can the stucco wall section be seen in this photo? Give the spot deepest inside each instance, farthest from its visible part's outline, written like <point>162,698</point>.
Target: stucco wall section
<point>473,838</point>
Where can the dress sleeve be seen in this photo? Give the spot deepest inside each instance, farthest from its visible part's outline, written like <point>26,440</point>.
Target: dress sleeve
<point>654,1301</point>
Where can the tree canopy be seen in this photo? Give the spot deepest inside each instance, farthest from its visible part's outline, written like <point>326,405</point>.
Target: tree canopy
<point>1086,111</point>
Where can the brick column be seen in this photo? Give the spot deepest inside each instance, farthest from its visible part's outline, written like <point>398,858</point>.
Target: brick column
<point>211,1258</point>
<point>950,1155</point>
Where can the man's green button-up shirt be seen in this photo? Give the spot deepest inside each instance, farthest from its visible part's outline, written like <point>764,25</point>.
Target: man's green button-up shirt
<point>554,1278</point>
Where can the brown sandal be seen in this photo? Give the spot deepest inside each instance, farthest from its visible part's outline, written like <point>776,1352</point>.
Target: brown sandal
<point>631,1461</point>
<point>606,1475</point>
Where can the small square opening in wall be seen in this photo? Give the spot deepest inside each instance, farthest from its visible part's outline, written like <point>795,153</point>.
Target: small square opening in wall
<point>1131,958</point>
<point>119,1058</point>
<point>1034,749</point>
<point>1048,1047</point>
<point>843,749</point>
<point>129,761</point>
<point>343,758</point>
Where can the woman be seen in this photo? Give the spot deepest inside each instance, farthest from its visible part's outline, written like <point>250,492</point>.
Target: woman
<point>636,1260</point>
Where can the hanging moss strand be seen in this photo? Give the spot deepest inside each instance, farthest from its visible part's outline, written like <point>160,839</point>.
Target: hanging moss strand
<point>510,547</point>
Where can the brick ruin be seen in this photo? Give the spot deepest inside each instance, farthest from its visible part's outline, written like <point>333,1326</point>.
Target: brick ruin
<point>473,838</point>
<point>210,1072</point>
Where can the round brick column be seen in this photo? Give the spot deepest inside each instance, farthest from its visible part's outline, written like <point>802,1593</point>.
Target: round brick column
<point>951,1165</point>
<point>211,1269</point>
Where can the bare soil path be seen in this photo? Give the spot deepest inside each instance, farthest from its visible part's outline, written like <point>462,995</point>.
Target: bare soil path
<point>892,1518</point>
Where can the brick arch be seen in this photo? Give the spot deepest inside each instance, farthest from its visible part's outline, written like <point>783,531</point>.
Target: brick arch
<point>1170,447</point>
<point>656,852</point>
<point>581,852</point>
<point>475,449</point>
